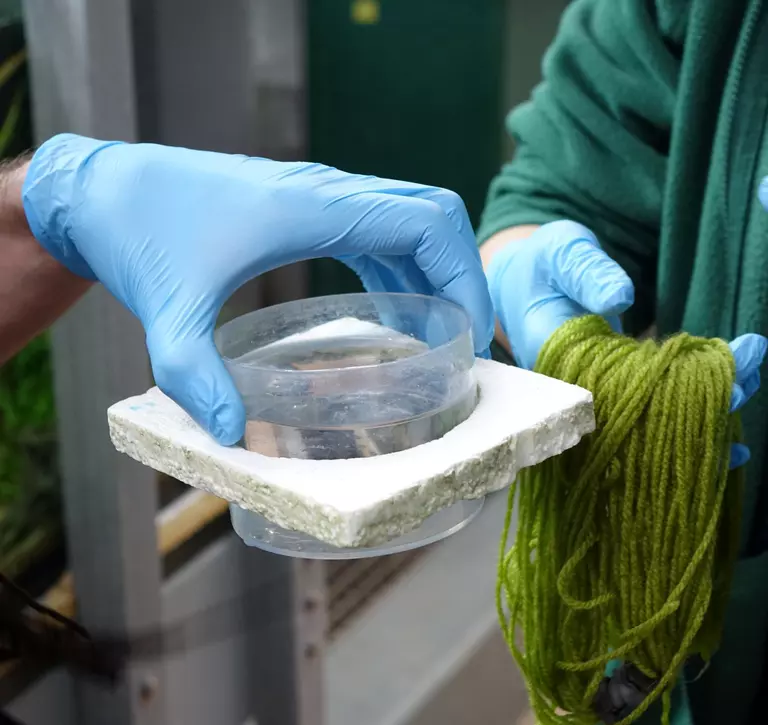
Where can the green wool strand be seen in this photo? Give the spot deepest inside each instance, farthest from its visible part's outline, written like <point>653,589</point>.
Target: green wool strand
<point>625,545</point>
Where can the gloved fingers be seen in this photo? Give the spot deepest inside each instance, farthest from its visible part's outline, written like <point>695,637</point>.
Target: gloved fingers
<point>369,274</point>
<point>581,270</point>
<point>411,277</point>
<point>393,274</point>
<point>191,372</point>
<point>762,192</point>
<point>540,323</point>
<point>739,455</point>
<point>400,274</point>
<point>748,353</point>
<point>377,276</point>
<point>452,268</point>
<point>449,201</point>
<point>457,275</point>
<point>388,274</point>
<point>453,207</point>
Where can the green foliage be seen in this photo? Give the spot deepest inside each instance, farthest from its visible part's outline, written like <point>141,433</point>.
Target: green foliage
<point>27,412</point>
<point>29,500</point>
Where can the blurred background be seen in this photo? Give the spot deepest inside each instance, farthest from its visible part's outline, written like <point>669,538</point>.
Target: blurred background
<point>410,89</point>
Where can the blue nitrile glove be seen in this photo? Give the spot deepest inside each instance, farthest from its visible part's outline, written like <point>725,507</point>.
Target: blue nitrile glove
<point>560,272</point>
<point>172,233</point>
<point>748,352</point>
<point>557,273</point>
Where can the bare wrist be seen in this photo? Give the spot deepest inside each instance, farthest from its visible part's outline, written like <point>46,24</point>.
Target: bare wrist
<point>493,246</point>
<point>35,289</point>
<point>12,175</point>
<point>501,239</point>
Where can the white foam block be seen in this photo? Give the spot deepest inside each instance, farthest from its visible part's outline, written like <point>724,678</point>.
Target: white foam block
<point>521,418</point>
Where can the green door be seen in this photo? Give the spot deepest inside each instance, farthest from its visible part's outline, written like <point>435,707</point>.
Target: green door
<point>406,89</point>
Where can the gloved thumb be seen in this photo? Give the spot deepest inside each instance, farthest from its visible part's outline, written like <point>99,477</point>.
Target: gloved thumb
<point>191,372</point>
<point>583,272</point>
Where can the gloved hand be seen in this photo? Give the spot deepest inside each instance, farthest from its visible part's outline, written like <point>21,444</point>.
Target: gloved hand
<point>561,272</point>
<point>172,233</point>
<point>557,273</point>
<point>748,352</point>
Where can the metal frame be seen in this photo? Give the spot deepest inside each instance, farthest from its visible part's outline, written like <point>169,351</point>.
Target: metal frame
<point>182,72</point>
<point>110,502</point>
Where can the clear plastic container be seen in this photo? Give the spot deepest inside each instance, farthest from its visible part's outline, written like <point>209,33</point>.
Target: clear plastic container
<point>349,376</point>
<point>258,532</point>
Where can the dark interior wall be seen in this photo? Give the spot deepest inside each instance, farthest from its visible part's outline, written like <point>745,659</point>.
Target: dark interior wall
<point>406,90</point>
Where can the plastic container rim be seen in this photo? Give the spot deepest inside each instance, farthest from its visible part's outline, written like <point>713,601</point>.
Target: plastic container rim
<point>466,327</point>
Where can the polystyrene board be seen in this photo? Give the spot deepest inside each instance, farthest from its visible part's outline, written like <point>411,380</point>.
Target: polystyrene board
<point>521,418</point>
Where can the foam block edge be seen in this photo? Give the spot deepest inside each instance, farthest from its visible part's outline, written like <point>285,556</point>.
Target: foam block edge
<point>169,442</point>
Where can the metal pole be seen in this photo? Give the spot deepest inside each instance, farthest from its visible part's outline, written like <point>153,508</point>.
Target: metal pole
<point>81,64</point>
<point>223,76</point>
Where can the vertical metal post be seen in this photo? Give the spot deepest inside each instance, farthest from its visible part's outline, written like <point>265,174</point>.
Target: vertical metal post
<point>81,62</point>
<point>224,76</point>
<point>310,629</point>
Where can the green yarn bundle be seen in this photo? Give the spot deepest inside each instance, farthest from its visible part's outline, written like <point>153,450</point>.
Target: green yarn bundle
<point>626,544</point>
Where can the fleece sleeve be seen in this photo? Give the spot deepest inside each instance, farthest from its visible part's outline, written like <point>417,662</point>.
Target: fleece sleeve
<point>592,142</point>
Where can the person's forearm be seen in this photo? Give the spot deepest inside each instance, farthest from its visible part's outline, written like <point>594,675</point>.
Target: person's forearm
<point>495,244</point>
<point>34,288</point>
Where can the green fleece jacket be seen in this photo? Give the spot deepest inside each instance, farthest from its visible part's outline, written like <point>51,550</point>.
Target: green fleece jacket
<point>649,127</point>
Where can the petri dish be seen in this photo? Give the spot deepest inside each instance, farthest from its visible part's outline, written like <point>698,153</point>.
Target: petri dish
<point>349,376</point>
